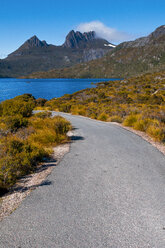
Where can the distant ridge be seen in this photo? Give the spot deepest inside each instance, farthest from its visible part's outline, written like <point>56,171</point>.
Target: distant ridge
<point>146,54</point>
<point>153,38</point>
<point>36,55</point>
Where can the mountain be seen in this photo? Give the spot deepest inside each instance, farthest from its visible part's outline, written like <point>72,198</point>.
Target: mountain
<point>78,40</point>
<point>85,40</point>
<point>33,42</point>
<point>156,37</point>
<point>146,54</point>
<point>36,55</point>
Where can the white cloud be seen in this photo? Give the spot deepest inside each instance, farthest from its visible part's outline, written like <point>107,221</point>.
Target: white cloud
<point>102,31</point>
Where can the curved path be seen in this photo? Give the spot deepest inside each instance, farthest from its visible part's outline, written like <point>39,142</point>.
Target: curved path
<point>108,191</point>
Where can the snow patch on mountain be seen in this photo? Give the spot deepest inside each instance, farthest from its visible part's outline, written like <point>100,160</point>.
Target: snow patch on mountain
<point>110,45</point>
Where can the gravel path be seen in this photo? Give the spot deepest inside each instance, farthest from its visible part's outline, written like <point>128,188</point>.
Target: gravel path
<point>108,191</point>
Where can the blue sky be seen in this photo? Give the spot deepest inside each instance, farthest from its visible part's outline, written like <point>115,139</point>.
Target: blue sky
<point>51,20</point>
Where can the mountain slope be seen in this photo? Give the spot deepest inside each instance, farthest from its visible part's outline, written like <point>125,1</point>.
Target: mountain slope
<point>36,55</point>
<point>145,54</point>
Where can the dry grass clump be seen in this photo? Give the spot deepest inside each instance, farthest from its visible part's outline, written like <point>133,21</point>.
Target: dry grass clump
<point>157,132</point>
<point>49,131</point>
<point>103,117</point>
<point>130,120</point>
<point>115,118</point>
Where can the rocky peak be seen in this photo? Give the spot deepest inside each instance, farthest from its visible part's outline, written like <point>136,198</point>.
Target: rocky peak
<point>34,42</point>
<point>78,39</point>
<point>158,32</point>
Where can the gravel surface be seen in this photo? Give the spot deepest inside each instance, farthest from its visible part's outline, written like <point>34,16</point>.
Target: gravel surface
<point>108,191</point>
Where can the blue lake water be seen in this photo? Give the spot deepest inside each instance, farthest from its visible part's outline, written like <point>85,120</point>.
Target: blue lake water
<point>44,88</point>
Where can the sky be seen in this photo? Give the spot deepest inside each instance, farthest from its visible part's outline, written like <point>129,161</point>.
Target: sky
<point>51,20</point>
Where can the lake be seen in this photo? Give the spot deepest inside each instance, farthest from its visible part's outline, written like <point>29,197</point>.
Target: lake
<point>44,88</point>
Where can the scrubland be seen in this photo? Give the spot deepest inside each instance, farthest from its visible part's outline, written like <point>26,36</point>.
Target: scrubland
<point>26,139</point>
<point>137,102</point>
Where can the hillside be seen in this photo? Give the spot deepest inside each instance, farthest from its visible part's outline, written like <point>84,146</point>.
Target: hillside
<point>36,55</point>
<point>146,54</point>
<point>138,102</point>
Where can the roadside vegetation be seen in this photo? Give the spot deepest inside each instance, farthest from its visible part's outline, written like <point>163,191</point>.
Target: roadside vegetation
<point>26,139</point>
<point>138,102</point>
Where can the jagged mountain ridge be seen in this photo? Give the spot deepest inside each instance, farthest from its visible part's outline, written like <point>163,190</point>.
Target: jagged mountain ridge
<point>36,55</point>
<point>85,40</point>
<point>74,39</point>
<point>146,54</point>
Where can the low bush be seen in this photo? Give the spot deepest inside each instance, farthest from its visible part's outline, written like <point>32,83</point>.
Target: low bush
<point>102,117</point>
<point>40,102</point>
<point>140,125</point>
<point>115,118</point>
<point>13,123</point>
<point>158,133</point>
<point>43,114</point>
<point>65,108</point>
<point>25,138</point>
<point>49,131</point>
<point>17,159</point>
<point>130,120</point>
<point>21,105</point>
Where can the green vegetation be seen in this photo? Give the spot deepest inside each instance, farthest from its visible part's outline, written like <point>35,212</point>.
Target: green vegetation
<point>25,139</point>
<point>137,102</point>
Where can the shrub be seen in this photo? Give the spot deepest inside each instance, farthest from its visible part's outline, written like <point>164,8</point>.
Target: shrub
<point>142,124</point>
<point>61,125</point>
<point>40,102</point>
<point>25,98</point>
<point>130,120</point>
<point>103,117</point>
<point>93,116</point>
<point>21,105</point>
<point>17,159</point>
<point>44,137</point>
<point>26,139</point>
<point>43,114</point>
<point>115,118</point>
<point>65,108</point>
<point>13,123</point>
<point>78,110</point>
<point>158,133</point>
<point>49,131</point>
